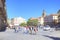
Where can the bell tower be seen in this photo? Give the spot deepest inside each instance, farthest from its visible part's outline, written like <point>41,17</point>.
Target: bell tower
<point>44,13</point>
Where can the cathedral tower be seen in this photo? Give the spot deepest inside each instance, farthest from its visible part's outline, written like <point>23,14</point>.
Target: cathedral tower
<point>44,13</point>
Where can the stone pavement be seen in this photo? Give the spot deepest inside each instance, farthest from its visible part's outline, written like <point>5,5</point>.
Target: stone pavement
<point>9,34</point>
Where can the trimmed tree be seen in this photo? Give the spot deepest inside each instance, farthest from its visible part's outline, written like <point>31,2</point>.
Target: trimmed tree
<point>23,24</point>
<point>32,22</point>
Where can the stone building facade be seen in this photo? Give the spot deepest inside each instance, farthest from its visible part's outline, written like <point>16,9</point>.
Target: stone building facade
<point>3,16</point>
<point>51,19</point>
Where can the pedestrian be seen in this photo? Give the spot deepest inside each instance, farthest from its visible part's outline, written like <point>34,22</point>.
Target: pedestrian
<point>16,28</point>
<point>30,30</point>
<point>27,29</point>
<point>35,29</point>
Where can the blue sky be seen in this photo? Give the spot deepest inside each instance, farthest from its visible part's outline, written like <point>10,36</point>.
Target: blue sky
<point>31,8</point>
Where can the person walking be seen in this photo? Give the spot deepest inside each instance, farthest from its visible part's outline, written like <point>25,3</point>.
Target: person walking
<point>35,29</point>
<point>30,30</point>
<point>16,28</point>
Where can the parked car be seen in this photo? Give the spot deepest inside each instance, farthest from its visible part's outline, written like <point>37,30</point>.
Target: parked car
<point>41,27</point>
<point>46,28</point>
<point>57,27</point>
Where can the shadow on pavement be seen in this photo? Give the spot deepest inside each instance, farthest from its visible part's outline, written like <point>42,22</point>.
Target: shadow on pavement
<point>54,38</point>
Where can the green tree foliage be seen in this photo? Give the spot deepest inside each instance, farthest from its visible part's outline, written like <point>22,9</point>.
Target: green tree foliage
<point>32,22</point>
<point>23,24</point>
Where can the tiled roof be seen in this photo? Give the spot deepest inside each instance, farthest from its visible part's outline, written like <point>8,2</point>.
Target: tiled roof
<point>54,15</point>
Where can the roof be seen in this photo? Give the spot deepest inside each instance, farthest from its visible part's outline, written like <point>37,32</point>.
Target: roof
<point>54,15</point>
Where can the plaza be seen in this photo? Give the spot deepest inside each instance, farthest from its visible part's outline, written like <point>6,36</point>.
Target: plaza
<point>9,34</point>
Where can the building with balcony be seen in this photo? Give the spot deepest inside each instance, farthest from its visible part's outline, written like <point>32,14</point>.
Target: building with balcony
<point>58,16</point>
<point>40,20</point>
<point>51,19</point>
<point>17,21</point>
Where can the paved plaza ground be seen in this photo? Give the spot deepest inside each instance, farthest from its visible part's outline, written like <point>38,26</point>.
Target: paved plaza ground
<point>9,34</point>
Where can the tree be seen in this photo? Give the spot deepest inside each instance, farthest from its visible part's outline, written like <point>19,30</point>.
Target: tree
<point>32,22</point>
<point>29,22</point>
<point>23,24</point>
